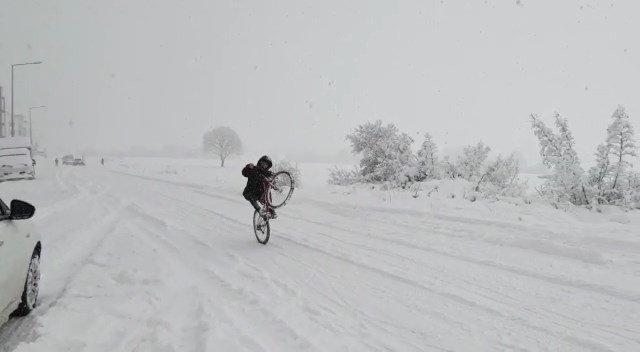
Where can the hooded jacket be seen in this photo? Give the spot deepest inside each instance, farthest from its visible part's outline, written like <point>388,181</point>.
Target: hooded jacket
<point>255,175</point>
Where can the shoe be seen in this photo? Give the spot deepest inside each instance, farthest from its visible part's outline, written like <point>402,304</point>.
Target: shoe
<point>273,214</point>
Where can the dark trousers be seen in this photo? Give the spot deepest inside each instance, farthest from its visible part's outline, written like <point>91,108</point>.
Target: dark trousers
<point>255,204</point>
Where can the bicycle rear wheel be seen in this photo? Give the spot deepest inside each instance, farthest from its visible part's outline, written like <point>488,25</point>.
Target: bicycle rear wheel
<point>281,189</point>
<point>261,228</point>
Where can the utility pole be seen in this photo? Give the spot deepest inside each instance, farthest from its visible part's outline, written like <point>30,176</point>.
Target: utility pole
<point>12,100</point>
<point>1,114</point>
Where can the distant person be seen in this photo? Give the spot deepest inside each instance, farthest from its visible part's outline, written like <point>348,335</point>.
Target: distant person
<point>102,161</point>
<point>57,161</point>
<point>255,175</point>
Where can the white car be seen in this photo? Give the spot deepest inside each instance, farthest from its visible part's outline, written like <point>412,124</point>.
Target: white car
<point>16,159</point>
<point>16,164</point>
<point>20,249</point>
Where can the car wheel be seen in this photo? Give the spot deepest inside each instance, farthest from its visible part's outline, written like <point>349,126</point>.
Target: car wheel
<point>31,287</point>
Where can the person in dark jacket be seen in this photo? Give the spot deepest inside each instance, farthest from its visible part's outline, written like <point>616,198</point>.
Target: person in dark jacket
<point>255,175</point>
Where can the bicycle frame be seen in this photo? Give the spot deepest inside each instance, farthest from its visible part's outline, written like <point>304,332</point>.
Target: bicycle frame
<point>267,184</point>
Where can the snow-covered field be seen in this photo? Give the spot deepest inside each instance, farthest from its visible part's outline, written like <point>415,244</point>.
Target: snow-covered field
<point>159,255</point>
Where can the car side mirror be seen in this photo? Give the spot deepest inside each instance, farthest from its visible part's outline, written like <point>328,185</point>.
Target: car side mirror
<point>21,210</point>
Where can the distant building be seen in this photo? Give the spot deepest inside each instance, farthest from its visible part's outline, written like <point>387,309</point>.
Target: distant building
<point>21,125</point>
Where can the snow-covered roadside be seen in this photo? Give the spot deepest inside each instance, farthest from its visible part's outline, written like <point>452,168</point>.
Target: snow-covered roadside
<point>440,196</point>
<point>167,262</point>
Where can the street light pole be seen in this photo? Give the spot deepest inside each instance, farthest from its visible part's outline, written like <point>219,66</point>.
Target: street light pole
<point>13,132</point>
<point>1,114</point>
<point>31,124</point>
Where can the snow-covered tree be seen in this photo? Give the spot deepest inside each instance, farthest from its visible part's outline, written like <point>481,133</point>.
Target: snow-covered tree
<point>223,142</point>
<point>600,173</point>
<point>610,176</point>
<point>622,145</point>
<point>470,163</point>
<point>386,152</point>
<point>558,153</point>
<point>427,159</point>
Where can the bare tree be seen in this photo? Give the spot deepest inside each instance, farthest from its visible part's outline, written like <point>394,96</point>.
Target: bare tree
<point>223,142</point>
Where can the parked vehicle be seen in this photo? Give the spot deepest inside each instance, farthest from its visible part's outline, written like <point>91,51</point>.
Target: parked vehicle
<point>74,162</point>
<point>16,160</point>
<point>67,158</point>
<point>20,249</point>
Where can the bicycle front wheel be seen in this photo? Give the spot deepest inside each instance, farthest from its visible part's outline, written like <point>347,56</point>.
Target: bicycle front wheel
<point>281,189</point>
<point>261,228</point>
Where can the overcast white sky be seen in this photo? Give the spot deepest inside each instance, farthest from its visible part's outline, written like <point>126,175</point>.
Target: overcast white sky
<point>300,74</point>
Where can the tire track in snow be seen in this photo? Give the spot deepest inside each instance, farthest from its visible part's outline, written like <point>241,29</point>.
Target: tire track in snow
<point>187,211</point>
<point>562,281</point>
<point>586,344</point>
<point>158,219</point>
<point>465,285</point>
<point>236,297</point>
<point>452,297</point>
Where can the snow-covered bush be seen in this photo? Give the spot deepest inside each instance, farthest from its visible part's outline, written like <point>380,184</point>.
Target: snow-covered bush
<point>427,160</point>
<point>449,169</point>
<point>291,169</point>
<point>632,193</point>
<point>501,178</point>
<point>344,177</point>
<point>558,154</point>
<point>470,164</point>
<point>387,158</point>
<point>386,152</point>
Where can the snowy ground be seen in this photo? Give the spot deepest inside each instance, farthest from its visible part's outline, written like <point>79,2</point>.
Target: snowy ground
<point>159,255</point>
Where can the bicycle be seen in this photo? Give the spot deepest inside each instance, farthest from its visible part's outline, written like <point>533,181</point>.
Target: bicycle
<point>277,192</point>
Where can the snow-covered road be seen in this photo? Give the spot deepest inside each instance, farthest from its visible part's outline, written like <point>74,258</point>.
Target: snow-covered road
<point>132,262</point>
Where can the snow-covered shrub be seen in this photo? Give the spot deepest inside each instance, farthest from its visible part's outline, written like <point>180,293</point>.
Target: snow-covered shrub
<point>291,169</point>
<point>427,160</point>
<point>558,153</point>
<point>470,163</point>
<point>405,177</point>
<point>449,169</point>
<point>632,195</point>
<point>386,153</point>
<point>344,177</point>
<point>169,170</point>
<point>501,178</point>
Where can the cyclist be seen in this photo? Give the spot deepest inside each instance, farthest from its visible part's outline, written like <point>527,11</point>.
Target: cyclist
<point>255,175</point>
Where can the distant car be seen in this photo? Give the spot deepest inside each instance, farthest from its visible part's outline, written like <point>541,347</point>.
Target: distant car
<point>74,162</point>
<point>67,158</point>
<point>20,248</point>
<point>16,164</point>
